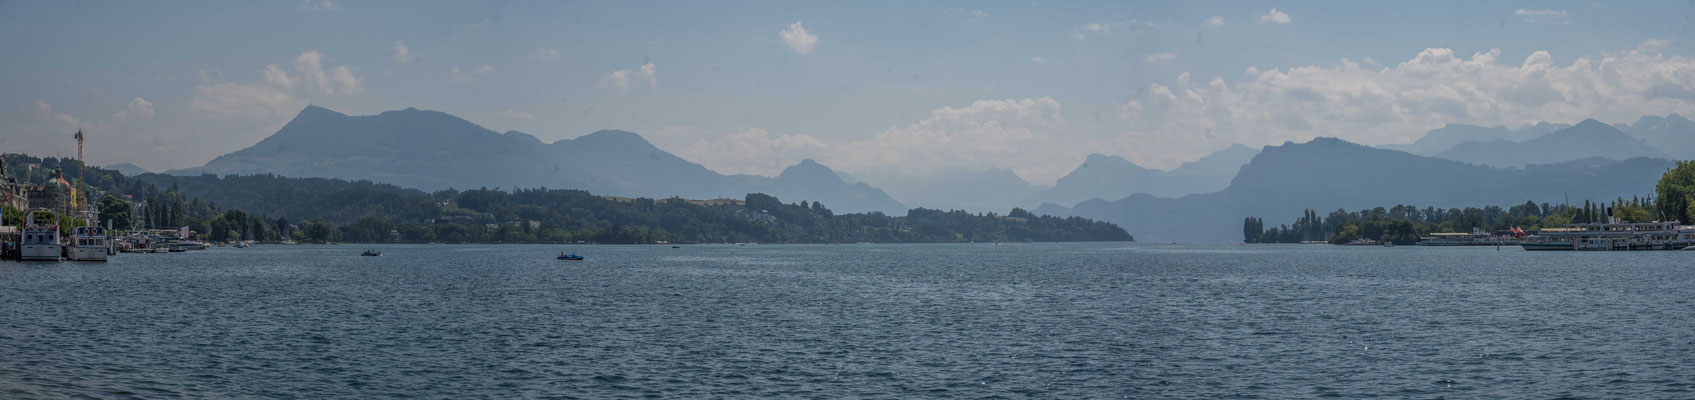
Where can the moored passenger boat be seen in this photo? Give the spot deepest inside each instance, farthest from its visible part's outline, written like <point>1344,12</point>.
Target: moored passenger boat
<point>1614,237</point>
<point>88,243</point>
<point>39,241</point>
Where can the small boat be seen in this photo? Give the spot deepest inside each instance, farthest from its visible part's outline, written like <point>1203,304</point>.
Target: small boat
<point>676,247</point>
<point>571,257</point>
<point>1690,248</point>
<point>371,253</point>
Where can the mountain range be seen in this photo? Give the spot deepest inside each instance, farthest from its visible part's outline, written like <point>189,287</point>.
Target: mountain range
<point>1111,177</point>
<point>1589,138</point>
<point>1671,134</point>
<point>431,150</point>
<point>1203,200</point>
<point>1446,137</point>
<point>1325,174</point>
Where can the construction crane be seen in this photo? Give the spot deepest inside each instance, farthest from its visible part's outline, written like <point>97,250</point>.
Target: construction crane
<point>81,184</point>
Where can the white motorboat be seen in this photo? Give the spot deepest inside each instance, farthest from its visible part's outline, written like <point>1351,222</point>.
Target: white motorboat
<point>39,242</point>
<point>87,243</point>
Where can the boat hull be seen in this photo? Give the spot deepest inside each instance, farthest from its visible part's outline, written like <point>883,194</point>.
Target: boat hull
<point>75,253</point>
<point>40,252</point>
<point>1546,246</point>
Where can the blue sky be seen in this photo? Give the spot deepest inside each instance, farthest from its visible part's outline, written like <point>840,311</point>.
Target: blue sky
<point>873,88</point>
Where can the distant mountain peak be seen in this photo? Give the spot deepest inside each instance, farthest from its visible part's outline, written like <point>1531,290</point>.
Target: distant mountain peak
<point>615,137</point>
<point>1592,124</point>
<point>1326,141</point>
<point>810,170</point>
<point>1097,161</point>
<point>315,111</point>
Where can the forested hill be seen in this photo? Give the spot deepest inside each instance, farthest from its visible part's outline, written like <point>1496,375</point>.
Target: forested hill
<point>366,211</point>
<point>268,207</point>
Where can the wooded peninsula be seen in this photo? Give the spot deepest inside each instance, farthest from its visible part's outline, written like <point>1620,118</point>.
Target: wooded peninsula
<point>275,208</point>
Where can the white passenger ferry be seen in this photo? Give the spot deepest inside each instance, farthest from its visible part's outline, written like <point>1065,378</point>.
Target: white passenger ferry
<point>1614,236</point>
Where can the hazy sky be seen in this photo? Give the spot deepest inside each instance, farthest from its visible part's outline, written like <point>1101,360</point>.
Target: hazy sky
<point>918,87</point>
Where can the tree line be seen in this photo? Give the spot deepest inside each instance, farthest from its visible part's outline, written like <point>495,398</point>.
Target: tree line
<point>1673,200</point>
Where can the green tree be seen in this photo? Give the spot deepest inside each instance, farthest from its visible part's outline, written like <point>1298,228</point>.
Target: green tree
<point>1676,192</point>
<point>1632,214</point>
<point>319,231</point>
<point>116,210</point>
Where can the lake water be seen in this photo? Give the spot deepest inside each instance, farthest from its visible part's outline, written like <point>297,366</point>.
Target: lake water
<point>885,321</point>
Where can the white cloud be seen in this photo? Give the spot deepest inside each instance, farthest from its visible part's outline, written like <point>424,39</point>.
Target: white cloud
<point>1039,60</point>
<point>400,53</point>
<point>1216,21</point>
<point>1160,57</point>
<point>66,121</point>
<point>243,101</point>
<point>211,75</point>
<point>979,14</point>
<point>1652,45</point>
<point>1026,135</point>
<point>622,79</point>
<point>310,66</point>
<point>509,113</point>
<point>1093,27</point>
<point>138,108</point>
<point>545,54</point>
<point>1397,103</point>
<point>753,151</point>
<point>619,80</point>
<point>796,37</point>
<point>1107,28</point>
<point>460,76</point>
<point>1530,16</point>
<point>320,5</point>
<point>1274,16</point>
<point>276,76</point>
<point>223,116</point>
